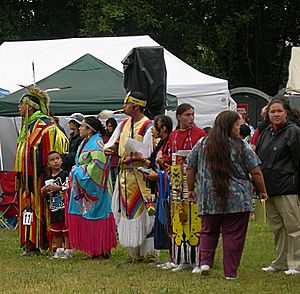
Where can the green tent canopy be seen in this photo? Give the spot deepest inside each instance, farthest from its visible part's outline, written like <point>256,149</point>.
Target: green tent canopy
<point>87,85</point>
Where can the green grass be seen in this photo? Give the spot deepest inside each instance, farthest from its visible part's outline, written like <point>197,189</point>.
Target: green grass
<point>77,275</point>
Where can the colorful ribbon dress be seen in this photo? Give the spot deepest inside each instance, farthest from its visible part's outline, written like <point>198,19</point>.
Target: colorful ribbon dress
<point>34,144</point>
<point>91,223</point>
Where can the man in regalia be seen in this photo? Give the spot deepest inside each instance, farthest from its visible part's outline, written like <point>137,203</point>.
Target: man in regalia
<point>185,221</point>
<point>137,210</point>
<point>38,136</point>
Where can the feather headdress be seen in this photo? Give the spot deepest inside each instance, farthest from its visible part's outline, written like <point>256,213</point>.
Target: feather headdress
<point>42,98</point>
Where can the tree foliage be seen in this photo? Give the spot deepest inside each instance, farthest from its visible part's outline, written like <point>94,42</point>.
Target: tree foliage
<point>39,19</point>
<point>246,42</point>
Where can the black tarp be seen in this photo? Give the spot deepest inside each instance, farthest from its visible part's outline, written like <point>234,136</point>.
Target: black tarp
<point>91,84</point>
<point>145,71</point>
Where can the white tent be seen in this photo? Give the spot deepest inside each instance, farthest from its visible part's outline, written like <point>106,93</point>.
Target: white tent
<point>209,95</point>
<point>293,84</point>
<point>8,139</point>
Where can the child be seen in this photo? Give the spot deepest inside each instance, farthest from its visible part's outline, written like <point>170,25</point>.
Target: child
<point>53,190</point>
<point>245,133</point>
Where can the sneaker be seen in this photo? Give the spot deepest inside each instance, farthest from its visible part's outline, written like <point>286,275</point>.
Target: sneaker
<point>270,269</point>
<point>60,253</point>
<point>152,259</point>
<point>25,253</point>
<point>162,264</point>
<point>181,267</point>
<point>230,278</point>
<point>125,261</point>
<point>292,272</point>
<point>168,265</point>
<point>196,270</point>
<point>63,256</point>
<point>34,252</point>
<point>204,270</point>
<point>138,259</point>
<point>68,253</point>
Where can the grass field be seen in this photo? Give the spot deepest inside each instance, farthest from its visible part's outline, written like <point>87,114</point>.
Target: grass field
<point>78,275</point>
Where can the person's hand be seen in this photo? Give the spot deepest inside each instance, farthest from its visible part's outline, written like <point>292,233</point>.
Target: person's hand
<point>138,156</point>
<point>160,161</point>
<point>263,196</point>
<point>54,188</point>
<point>192,196</point>
<point>45,190</point>
<point>109,151</point>
<point>152,176</point>
<point>126,160</point>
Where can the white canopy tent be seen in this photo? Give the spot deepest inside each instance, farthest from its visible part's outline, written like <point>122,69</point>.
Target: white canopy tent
<point>293,84</point>
<point>8,139</point>
<point>209,95</point>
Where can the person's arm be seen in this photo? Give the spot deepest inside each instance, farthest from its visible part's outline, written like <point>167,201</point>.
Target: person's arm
<point>191,171</point>
<point>258,179</point>
<point>45,190</point>
<point>115,136</point>
<point>153,176</point>
<point>54,188</point>
<point>112,150</point>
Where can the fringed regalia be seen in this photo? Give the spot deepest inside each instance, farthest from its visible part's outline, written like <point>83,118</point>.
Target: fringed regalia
<point>36,140</point>
<point>136,225</point>
<point>90,220</point>
<point>186,223</point>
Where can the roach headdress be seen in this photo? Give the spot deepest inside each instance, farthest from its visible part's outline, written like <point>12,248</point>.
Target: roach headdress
<point>36,98</point>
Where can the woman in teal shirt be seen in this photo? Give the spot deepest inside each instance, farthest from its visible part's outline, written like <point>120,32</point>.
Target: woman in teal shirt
<point>222,163</point>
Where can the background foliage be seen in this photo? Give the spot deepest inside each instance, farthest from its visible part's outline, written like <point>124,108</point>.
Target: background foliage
<point>247,42</point>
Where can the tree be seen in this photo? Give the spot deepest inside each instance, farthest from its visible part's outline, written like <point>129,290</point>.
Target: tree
<point>246,42</point>
<point>39,19</point>
<point>251,41</point>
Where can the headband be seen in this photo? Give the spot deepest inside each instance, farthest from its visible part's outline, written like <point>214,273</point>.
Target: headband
<point>25,99</point>
<point>42,97</point>
<point>130,99</point>
<point>88,125</point>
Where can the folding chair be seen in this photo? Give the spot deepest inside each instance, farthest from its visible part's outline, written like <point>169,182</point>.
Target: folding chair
<point>8,200</point>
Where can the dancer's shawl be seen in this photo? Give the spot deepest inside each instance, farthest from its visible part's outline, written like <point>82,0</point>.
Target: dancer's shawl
<point>90,183</point>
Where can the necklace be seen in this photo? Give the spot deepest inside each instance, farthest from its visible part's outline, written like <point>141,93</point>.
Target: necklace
<point>187,141</point>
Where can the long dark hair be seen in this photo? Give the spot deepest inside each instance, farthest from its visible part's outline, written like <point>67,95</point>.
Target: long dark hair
<point>218,152</point>
<point>95,124</point>
<point>163,121</point>
<point>159,122</point>
<point>113,123</point>
<point>293,114</point>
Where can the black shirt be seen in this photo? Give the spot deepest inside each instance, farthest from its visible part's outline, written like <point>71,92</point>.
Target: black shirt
<point>56,200</point>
